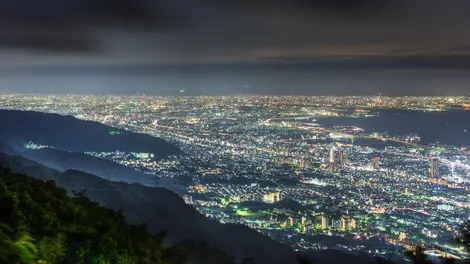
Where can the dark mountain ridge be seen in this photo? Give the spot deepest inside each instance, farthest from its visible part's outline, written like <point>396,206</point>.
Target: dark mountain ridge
<point>65,160</point>
<point>5,148</point>
<point>103,168</point>
<point>71,134</point>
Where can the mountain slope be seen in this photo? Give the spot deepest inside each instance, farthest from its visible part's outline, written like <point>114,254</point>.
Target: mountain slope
<point>71,134</point>
<point>65,160</point>
<point>41,224</point>
<point>161,210</point>
<point>103,168</point>
<point>5,148</point>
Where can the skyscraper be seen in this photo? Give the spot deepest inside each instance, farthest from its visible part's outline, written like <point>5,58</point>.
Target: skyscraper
<point>291,221</point>
<point>324,222</point>
<point>340,156</point>
<point>376,163</point>
<point>345,223</point>
<point>343,157</point>
<point>332,155</point>
<point>353,224</point>
<point>433,170</point>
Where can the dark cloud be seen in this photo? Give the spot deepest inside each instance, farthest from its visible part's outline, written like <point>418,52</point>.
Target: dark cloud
<point>220,46</point>
<point>348,8</point>
<point>220,31</point>
<point>60,13</point>
<point>47,40</point>
<point>64,26</point>
<point>376,62</point>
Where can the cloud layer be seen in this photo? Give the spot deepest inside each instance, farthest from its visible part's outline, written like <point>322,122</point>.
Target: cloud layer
<point>353,45</point>
<point>226,30</point>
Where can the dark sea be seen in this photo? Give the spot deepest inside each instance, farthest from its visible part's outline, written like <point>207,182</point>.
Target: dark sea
<point>449,127</point>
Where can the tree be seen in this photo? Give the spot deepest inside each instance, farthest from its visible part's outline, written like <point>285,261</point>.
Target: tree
<point>52,249</point>
<point>41,224</point>
<point>17,249</point>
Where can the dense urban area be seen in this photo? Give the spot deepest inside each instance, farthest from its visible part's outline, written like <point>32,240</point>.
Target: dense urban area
<point>283,166</point>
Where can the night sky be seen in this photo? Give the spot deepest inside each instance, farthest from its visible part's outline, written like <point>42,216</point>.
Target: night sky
<point>327,47</point>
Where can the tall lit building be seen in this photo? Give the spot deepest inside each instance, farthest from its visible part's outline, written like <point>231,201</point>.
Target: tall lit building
<point>376,163</point>
<point>348,223</point>
<point>340,156</point>
<point>291,221</point>
<point>343,157</point>
<point>433,170</point>
<point>345,222</point>
<point>332,160</point>
<point>353,224</point>
<point>324,222</point>
<point>332,155</point>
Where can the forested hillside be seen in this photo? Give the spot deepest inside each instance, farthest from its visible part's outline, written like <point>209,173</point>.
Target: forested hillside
<point>39,223</point>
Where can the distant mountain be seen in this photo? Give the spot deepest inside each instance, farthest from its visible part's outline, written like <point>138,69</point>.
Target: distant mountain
<point>103,168</point>
<point>22,165</point>
<point>5,148</point>
<point>68,133</point>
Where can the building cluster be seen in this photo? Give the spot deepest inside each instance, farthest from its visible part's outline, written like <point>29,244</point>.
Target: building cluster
<point>282,165</point>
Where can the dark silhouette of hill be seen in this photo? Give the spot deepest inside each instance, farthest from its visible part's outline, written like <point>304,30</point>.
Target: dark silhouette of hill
<point>103,168</point>
<point>65,160</point>
<point>5,148</point>
<point>164,210</point>
<point>71,134</point>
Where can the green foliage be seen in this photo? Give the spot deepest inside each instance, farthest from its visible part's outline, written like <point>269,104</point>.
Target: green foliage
<point>40,224</point>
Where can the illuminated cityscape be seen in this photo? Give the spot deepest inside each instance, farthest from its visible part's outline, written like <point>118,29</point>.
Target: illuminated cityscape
<point>303,170</point>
